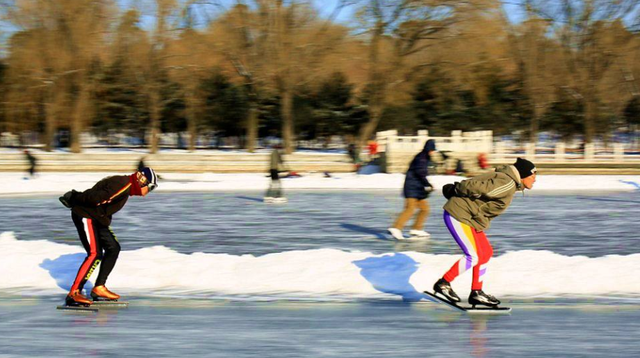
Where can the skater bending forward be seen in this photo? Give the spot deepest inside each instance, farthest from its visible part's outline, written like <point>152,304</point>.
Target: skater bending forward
<point>471,206</point>
<point>91,212</point>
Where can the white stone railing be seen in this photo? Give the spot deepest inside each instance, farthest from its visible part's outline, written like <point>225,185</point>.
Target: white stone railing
<point>590,153</point>
<point>480,141</point>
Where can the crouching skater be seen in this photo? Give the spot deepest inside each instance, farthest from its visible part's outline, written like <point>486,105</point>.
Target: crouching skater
<point>471,206</point>
<point>91,212</point>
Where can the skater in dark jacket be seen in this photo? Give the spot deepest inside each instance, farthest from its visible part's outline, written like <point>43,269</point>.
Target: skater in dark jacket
<point>32,163</point>
<point>91,212</point>
<point>416,191</point>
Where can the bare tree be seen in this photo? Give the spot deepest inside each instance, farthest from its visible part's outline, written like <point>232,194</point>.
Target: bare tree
<point>580,26</point>
<point>279,46</point>
<point>395,31</point>
<point>529,47</point>
<point>68,38</point>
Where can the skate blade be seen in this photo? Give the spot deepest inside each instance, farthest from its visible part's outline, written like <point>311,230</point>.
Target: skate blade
<point>110,304</point>
<point>418,238</point>
<point>77,308</point>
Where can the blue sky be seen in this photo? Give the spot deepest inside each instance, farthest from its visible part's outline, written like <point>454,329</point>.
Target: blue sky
<point>324,6</point>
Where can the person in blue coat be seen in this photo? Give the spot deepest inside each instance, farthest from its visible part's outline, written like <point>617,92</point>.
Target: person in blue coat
<point>416,191</point>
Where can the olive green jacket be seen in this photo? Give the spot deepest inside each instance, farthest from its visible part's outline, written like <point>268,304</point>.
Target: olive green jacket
<point>276,162</point>
<point>482,198</point>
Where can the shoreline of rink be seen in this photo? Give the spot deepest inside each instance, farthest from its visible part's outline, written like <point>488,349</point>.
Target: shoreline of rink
<point>17,184</point>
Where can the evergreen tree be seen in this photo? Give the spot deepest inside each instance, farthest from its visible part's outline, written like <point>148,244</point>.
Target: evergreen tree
<point>565,116</point>
<point>632,111</point>
<point>330,107</point>
<point>120,103</point>
<point>226,105</point>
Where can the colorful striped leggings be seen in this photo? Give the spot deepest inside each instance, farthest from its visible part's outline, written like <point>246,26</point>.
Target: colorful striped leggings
<point>476,248</point>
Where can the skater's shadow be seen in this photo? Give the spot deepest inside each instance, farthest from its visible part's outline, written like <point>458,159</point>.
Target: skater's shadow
<point>366,230</point>
<point>249,198</point>
<point>391,274</point>
<point>631,183</point>
<point>64,270</point>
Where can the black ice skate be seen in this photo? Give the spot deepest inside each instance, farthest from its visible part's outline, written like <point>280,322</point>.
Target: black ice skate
<point>444,288</point>
<point>478,297</point>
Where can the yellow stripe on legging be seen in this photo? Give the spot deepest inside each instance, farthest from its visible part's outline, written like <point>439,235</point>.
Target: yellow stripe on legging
<point>469,234</point>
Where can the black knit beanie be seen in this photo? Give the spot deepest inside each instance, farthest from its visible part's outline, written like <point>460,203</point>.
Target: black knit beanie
<point>524,167</point>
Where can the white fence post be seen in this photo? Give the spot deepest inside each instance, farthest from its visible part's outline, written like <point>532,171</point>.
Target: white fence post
<point>618,152</point>
<point>456,139</point>
<point>560,152</point>
<point>498,152</point>
<point>530,151</point>
<point>589,151</point>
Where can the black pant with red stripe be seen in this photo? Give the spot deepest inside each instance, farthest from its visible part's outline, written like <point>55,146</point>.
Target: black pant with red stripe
<point>101,246</point>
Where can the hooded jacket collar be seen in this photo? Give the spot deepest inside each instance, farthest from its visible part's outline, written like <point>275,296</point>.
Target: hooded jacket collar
<point>512,172</point>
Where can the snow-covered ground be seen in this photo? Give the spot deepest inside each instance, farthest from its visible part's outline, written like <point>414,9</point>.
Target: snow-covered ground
<point>16,183</point>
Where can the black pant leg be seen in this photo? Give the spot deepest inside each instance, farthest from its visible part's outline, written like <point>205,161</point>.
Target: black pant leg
<point>89,238</point>
<point>111,249</point>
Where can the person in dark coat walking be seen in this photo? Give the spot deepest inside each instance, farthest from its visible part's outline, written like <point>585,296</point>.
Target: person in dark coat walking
<point>416,191</point>
<point>32,163</point>
<point>91,212</point>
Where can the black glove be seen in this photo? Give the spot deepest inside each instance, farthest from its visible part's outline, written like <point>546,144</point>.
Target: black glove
<point>450,190</point>
<point>67,198</point>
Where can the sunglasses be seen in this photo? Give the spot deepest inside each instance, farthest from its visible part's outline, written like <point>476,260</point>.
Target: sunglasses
<point>143,180</point>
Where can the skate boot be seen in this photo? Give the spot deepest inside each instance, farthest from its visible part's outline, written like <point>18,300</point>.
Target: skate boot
<point>279,200</point>
<point>444,288</point>
<point>101,293</point>
<point>396,233</point>
<point>419,233</point>
<point>478,297</point>
<point>75,299</point>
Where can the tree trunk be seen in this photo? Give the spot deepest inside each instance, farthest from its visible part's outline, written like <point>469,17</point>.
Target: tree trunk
<point>50,125</point>
<point>378,88</point>
<point>77,119</point>
<point>535,122</point>
<point>51,121</point>
<point>590,115</point>
<point>286,111</point>
<point>367,130</point>
<point>154,99</point>
<point>192,120</point>
<point>252,127</point>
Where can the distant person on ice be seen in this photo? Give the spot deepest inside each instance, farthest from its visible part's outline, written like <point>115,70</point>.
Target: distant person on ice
<point>91,212</point>
<point>276,166</point>
<point>416,191</point>
<point>471,206</point>
<point>32,163</point>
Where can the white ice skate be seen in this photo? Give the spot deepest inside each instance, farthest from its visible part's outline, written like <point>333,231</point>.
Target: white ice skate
<point>419,234</point>
<point>275,200</point>
<point>396,233</point>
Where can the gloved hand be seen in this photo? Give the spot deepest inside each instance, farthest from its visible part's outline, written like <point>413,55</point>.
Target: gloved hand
<point>450,190</point>
<point>429,188</point>
<point>67,198</point>
<point>152,186</point>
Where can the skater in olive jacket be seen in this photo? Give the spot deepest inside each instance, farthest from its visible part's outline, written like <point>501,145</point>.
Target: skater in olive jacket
<point>471,206</point>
